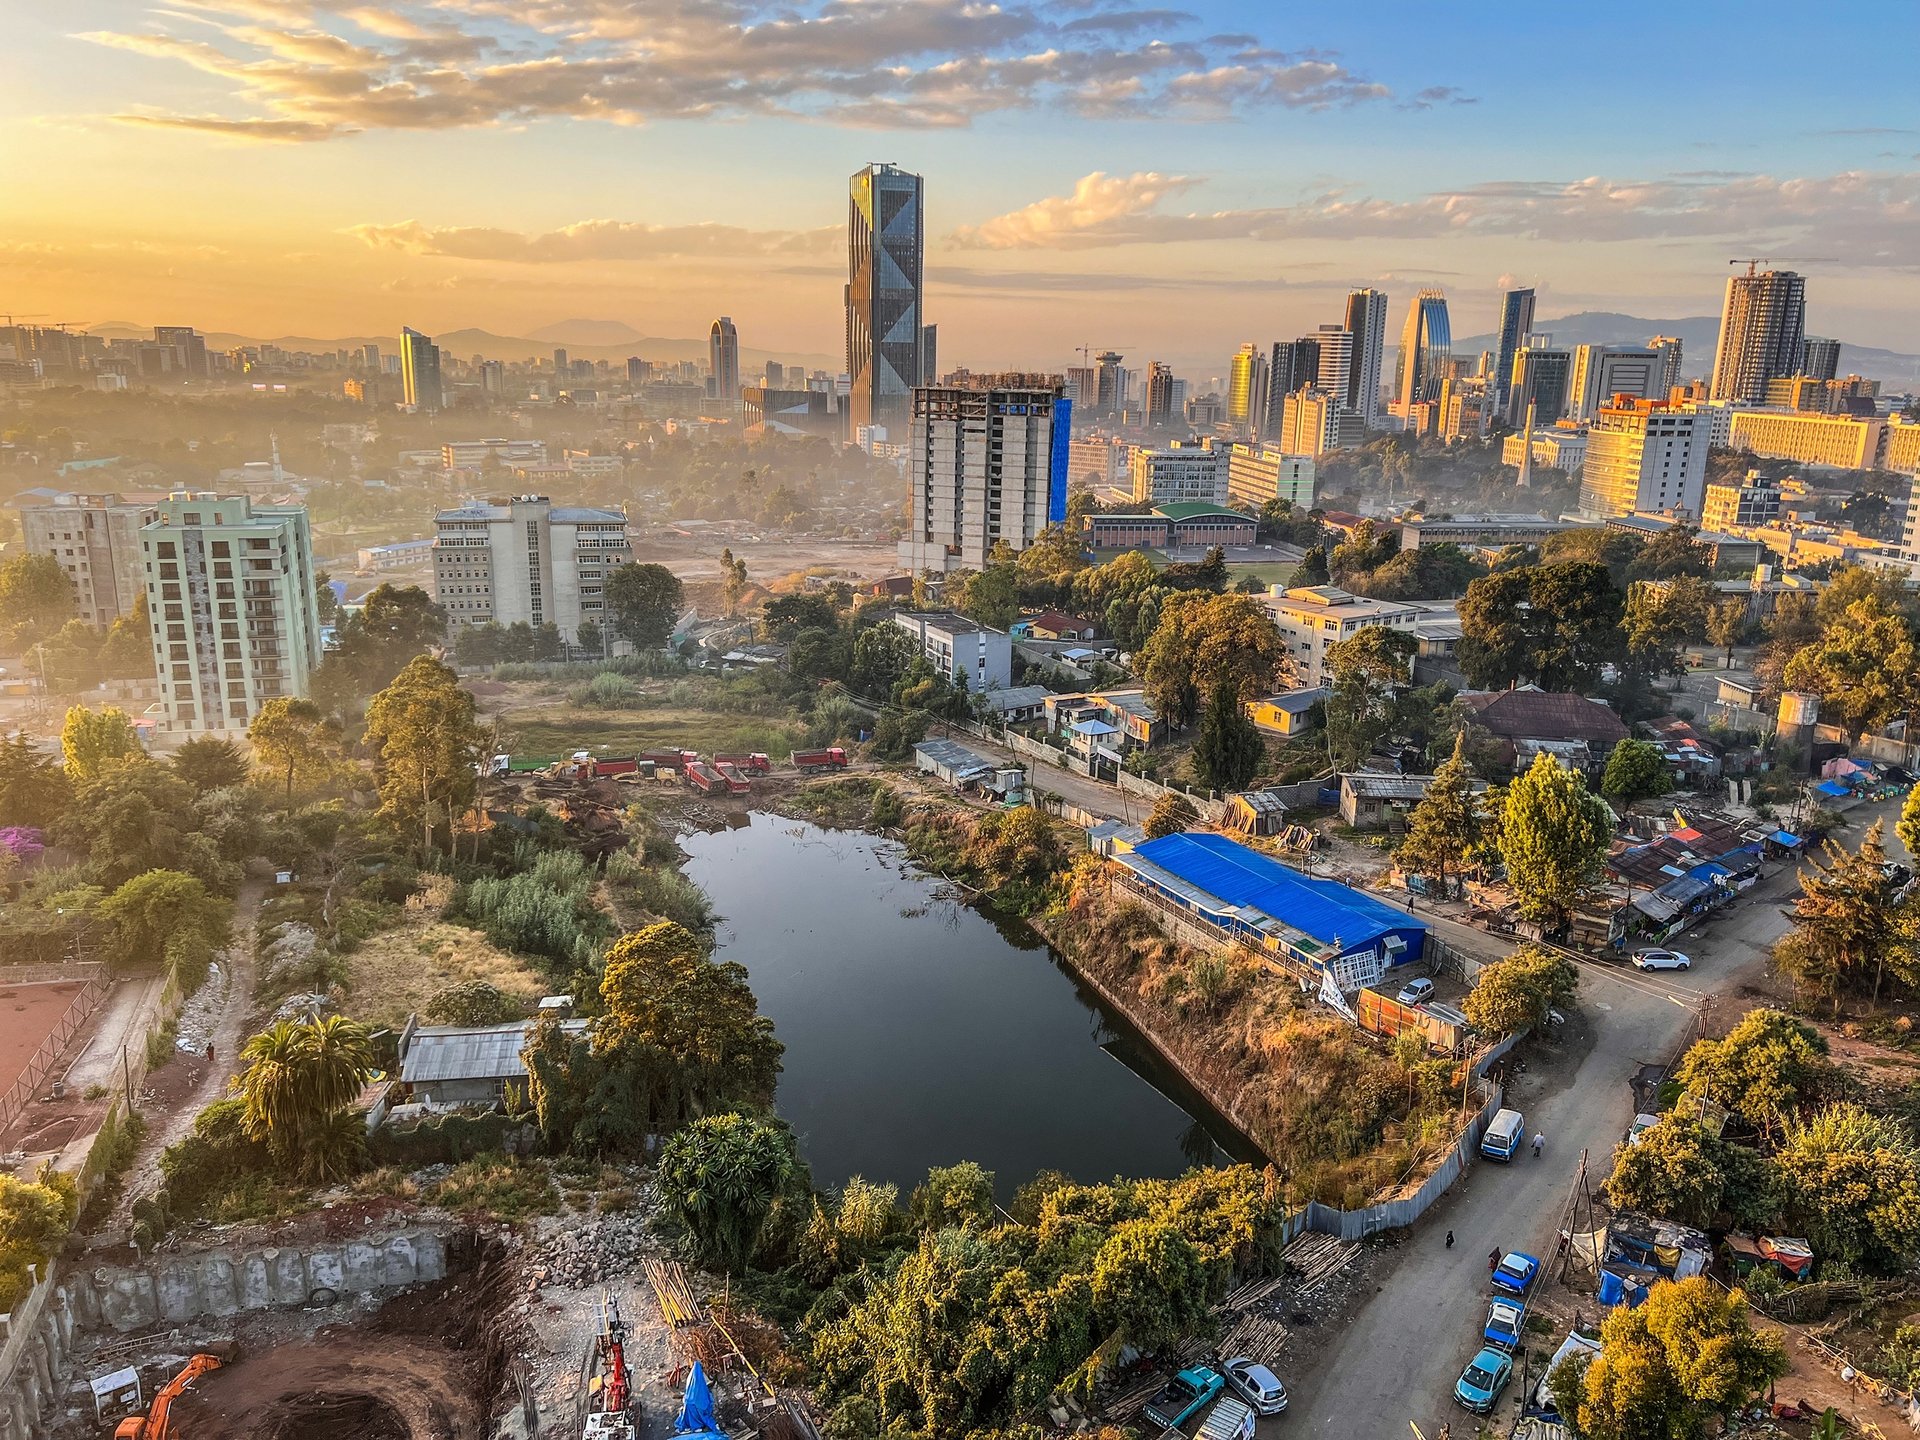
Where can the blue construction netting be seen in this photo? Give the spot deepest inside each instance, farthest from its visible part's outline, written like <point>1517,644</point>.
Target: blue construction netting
<point>1324,909</point>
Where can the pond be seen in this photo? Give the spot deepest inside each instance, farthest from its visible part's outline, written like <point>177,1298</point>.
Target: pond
<point>922,1031</point>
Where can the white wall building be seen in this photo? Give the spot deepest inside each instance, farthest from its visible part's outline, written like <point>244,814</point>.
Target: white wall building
<point>1257,474</point>
<point>963,650</point>
<point>1186,470</point>
<point>526,559</point>
<point>1601,372</point>
<point>987,462</point>
<point>474,454</point>
<point>96,539</point>
<point>1646,457</point>
<point>1312,617</point>
<point>231,607</point>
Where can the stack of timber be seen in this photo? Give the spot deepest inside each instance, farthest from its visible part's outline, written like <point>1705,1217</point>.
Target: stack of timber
<point>1316,1259</point>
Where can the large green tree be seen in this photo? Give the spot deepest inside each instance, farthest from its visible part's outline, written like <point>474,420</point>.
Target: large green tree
<point>1516,993</point>
<point>1849,928</point>
<point>1228,751</point>
<point>422,729</point>
<point>36,599</point>
<point>643,601</point>
<point>1766,1070</point>
<point>300,1077</point>
<point>1554,837</point>
<point>720,1177</point>
<point>1852,1184</point>
<point>1554,625</point>
<point>1447,824</point>
<point>34,790</point>
<point>292,737</point>
<point>1682,1171</point>
<point>1636,770</point>
<point>166,915</point>
<point>1202,639</point>
<point>1366,673</point>
<point>93,740</point>
<point>1863,667</point>
<point>210,762</point>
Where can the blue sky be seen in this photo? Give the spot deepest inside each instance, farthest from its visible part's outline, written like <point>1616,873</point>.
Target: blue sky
<point>1169,180</point>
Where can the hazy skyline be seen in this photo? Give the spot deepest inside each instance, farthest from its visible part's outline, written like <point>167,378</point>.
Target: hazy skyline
<point>1167,182</point>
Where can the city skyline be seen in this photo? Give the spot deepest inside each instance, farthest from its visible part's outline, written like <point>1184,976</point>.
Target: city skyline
<point>1406,157</point>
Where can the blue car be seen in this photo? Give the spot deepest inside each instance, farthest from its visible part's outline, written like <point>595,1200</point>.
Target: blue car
<point>1182,1396</point>
<point>1503,1325</point>
<point>1515,1273</point>
<point>1482,1381</point>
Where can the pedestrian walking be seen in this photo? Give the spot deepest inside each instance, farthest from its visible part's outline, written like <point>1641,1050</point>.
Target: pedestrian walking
<point>1449,1239</point>
<point>1493,1261</point>
<point>209,1052</point>
<point>1539,1144</point>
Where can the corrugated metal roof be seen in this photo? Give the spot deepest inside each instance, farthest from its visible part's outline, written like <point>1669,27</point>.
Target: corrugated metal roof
<point>1244,878</point>
<point>471,1052</point>
<point>954,757</point>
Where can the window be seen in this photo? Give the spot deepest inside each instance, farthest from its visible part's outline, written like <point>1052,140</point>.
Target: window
<point>222,548</point>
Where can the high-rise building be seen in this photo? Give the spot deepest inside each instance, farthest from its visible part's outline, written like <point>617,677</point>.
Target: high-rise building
<point>1182,471</point>
<point>1516,324</point>
<point>1315,421</point>
<point>886,330</point>
<point>1111,383</point>
<point>96,539</point>
<point>638,371</point>
<point>1540,378</point>
<point>1160,405</point>
<point>1247,388</point>
<point>1258,474</point>
<point>1426,345</point>
<point>723,360</point>
<point>419,371</point>
<point>230,605</point>
<point>1761,328</point>
<point>1749,502</point>
<point>1648,457</point>
<point>526,560</point>
<point>370,359</point>
<point>1822,359</point>
<point>1601,372</point>
<point>190,348</point>
<point>1670,351</point>
<point>1082,386</point>
<point>929,354</point>
<point>1335,375</point>
<point>987,462</point>
<point>1294,365</point>
<point>493,378</point>
<point>562,368</point>
<point>1367,323</point>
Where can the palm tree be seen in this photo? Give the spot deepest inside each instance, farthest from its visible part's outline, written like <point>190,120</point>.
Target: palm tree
<point>300,1076</point>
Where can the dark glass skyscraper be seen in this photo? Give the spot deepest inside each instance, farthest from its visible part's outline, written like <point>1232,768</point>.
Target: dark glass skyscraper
<point>886,247</point>
<point>1426,345</point>
<point>1516,323</point>
<point>419,371</point>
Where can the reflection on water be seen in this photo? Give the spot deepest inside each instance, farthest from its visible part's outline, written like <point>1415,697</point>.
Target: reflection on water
<point>920,1031</point>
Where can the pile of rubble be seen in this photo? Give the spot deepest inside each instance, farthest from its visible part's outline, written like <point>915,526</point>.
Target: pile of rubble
<point>200,1016</point>
<point>572,1251</point>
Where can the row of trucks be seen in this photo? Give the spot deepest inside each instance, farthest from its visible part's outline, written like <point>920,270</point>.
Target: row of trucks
<point>723,774</point>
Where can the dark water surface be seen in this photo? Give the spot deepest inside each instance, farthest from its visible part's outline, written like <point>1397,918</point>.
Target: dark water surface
<point>921,1032</point>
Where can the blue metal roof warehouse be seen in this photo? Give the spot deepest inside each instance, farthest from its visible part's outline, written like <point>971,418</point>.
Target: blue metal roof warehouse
<point>1253,897</point>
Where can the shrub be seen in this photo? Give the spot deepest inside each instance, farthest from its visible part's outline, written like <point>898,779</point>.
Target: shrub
<point>473,1002</point>
<point>610,690</point>
<point>215,1157</point>
<point>503,1187</point>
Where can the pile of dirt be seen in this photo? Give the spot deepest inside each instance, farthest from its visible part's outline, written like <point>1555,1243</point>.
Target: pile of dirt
<point>428,1365</point>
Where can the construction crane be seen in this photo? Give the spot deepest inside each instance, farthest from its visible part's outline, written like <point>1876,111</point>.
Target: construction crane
<point>13,315</point>
<point>610,1406</point>
<point>1751,263</point>
<point>157,1423</point>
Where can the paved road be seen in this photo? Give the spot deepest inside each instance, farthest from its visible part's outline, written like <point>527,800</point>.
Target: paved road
<point>1399,1356</point>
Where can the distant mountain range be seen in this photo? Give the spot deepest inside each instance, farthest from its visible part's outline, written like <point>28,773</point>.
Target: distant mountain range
<point>582,339</point>
<point>1699,337</point>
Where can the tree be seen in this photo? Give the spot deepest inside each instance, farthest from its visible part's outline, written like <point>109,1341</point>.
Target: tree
<point>36,598</point>
<point>1228,751</point>
<point>292,736</point>
<point>1673,552</point>
<point>210,762</point>
<point>1667,1366</point>
<point>1516,993</point>
<point>132,818</point>
<point>1556,625</point>
<point>324,600</point>
<point>1553,837</point>
<point>1907,827</point>
<point>1365,672</point>
<point>1636,770</point>
<point>1681,1171</point>
<point>1150,1284</point>
<point>785,617</point>
<point>163,913</point>
<point>1447,824</point>
<point>422,728</point>
<point>1201,638</point>
<point>1727,626</point>
<point>719,1177</point>
<point>1765,1071</point>
<point>1661,617</point>
<point>93,740</point>
<point>34,790</point>
<point>1594,545</point>
<point>953,1195</point>
<point>733,579</point>
<point>300,1075</point>
<point>1852,1182</point>
<point>1312,569</point>
<point>1172,813</point>
<point>643,602</point>
<point>882,656</point>
<point>588,639</point>
<point>1863,667</point>
<point>1848,925</point>
<point>990,596</point>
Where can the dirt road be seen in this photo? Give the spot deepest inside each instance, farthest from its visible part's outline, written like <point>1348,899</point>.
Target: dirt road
<point>237,969</point>
<point>1404,1349</point>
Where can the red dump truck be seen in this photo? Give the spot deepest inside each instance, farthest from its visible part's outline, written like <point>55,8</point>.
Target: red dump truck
<point>812,762</point>
<point>671,759</point>
<point>754,764</point>
<point>588,767</point>
<point>705,778</point>
<point>736,782</point>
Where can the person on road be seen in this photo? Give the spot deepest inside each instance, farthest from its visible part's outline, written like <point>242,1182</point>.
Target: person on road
<point>1539,1144</point>
<point>1493,1261</point>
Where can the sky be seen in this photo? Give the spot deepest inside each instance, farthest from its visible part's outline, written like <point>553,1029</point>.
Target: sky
<point>1166,182</point>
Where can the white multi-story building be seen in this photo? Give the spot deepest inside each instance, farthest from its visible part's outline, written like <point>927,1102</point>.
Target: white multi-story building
<point>1562,447</point>
<point>526,559</point>
<point>1312,617</point>
<point>1645,457</point>
<point>1184,470</point>
<point>473,454</point>
<point>969,654</point>
<point>96,539</point>
<point>987,463</point>
<point>230,605</point>
<point>1600,372</point>
<point>1316,421</point>
<point>1751,502</point>
<point>1257,474</point>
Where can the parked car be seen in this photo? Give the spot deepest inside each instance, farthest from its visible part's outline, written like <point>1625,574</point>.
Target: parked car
<point>1415,992</point>
<point>1515,1272</point>
<point>1503,1324</point>
<point>1504,1133</point>
<point>1657,959</point>
<point>1182,1397</point>
<point>1257,1385</point>
<point>1480,1384</point>
<point>1641,1124</point>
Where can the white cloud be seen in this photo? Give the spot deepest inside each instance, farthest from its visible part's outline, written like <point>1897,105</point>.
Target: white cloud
<point>594,240</point>
<point>1099,211</point>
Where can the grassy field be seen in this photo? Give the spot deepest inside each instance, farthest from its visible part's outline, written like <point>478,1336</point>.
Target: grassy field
<point>397,971</point>
<point>1265,572</point>
<point>562,729</point>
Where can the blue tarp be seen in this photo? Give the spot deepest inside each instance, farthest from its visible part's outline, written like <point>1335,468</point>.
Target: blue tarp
<point>1617,1290</point>
<point>1833,788</point>
<point>1783,837</point>
<point>696,1418</point>
<point>1324,909</point>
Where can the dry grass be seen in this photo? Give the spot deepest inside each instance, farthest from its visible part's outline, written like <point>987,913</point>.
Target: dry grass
<point>397,971</point>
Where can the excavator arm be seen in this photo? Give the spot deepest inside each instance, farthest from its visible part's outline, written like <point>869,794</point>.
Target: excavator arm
<point>157,1423</point>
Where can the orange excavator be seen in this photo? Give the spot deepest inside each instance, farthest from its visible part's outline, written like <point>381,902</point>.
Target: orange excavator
<point>157,1423</point>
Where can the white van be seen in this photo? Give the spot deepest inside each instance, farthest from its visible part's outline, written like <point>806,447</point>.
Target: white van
<point>1231,1420</point>
<point>1505,1133</point>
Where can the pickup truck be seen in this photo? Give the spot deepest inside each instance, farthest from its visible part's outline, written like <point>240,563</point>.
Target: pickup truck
<point>1182,1397</point>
